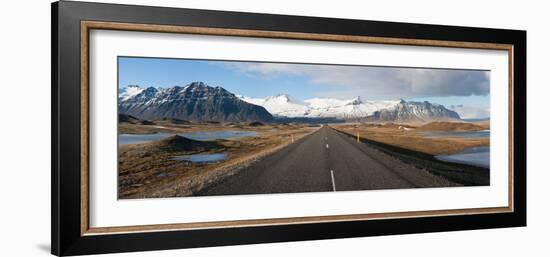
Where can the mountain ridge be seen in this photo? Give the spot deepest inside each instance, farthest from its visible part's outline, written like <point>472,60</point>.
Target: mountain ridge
<point>196,102</point>
<point>200,102</point>
<point>354,109</point>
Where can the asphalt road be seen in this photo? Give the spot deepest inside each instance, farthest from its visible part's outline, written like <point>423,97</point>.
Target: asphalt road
<point>326,160</point>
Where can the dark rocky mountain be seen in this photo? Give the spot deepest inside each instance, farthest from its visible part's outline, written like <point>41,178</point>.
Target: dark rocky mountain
<point>414,112</point>
<point>194,102</point>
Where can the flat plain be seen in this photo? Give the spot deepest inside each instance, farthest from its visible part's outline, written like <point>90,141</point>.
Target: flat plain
<point>257,158</point>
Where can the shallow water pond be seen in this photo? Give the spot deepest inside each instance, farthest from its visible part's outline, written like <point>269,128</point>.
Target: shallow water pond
<point>477,156</point>
<point>201,158</point>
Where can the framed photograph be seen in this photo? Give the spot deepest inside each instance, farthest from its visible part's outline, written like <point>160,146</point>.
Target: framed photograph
<point>178,128</point>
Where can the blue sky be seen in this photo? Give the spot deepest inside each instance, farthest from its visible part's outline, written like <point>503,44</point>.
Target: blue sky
<point>172,72</point>
<point>465,90</point>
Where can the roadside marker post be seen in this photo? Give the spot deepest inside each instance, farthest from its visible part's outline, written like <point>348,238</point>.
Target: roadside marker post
<point>358,141</point>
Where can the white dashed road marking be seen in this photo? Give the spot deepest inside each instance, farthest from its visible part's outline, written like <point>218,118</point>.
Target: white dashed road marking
<point>332,178</point>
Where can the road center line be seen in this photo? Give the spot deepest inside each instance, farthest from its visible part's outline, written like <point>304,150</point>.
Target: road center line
<point>332,178</point>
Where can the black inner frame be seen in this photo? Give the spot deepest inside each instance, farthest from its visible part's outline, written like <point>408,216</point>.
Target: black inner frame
<point>65,165</point>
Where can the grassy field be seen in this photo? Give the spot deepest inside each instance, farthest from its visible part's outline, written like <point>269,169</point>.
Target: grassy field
<point>412,137</point>
<point>147,170</point>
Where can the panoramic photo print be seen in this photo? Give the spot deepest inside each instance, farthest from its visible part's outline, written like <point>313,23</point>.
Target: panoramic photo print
<point>209,127</point>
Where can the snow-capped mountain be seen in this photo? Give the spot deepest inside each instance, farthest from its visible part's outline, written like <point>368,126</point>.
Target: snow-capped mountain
<point>200,102</point>
<point>129,91</point>
<point>414,111</point>
<point>356,108</point>
<point>281,105</point>
<point>196,101</point>
<point>345,109</point>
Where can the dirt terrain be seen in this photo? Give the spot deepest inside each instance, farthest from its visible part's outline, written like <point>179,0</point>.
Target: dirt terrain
<point>413,137</point>
<point>293,158</point>
<point>148,169</point>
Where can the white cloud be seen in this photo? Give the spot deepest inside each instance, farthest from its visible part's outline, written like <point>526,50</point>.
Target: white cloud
<point>376,82</point>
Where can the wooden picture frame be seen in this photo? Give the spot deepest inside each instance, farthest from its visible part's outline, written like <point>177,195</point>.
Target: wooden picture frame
<point>71,25</point>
